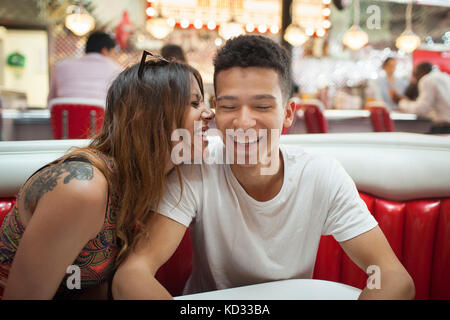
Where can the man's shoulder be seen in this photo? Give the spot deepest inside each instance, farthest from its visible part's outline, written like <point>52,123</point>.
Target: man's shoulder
<point>298,154</point>
<point>67,62</point>
<point>310,163</point>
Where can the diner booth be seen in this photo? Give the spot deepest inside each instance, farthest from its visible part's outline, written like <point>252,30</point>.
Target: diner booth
<point>337,48</point>
<point>403,178</point>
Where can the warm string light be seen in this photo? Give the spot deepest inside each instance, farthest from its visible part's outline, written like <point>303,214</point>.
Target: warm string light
<point>198,24</point>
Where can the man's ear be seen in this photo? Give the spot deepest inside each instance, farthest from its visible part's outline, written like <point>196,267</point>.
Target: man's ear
<point>289,113</point>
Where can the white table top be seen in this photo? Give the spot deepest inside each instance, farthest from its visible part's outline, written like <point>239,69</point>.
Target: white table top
<point>294,289</point>
<point>334,114</point>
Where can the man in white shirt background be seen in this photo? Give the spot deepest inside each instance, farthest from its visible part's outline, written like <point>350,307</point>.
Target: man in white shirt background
<point>248,227</point>
<point>433,101</point>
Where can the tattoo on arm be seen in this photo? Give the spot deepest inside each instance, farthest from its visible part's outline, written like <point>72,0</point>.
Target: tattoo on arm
<point>47,180</point>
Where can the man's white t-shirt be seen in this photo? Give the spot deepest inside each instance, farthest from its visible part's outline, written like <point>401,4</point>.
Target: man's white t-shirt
<point>239,241</point>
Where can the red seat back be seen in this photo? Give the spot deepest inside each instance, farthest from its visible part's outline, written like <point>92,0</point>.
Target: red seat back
<point>76,121</point>
<point>314,119</point>
<point>381,119</point>
<point>6,205</point>
<point>419,234</point>
<point>176,271</point>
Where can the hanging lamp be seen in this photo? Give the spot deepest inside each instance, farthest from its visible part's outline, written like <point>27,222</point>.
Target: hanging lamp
<point>355,38</point>
<point>294,34</point>
<point>408,41</point>
<point>159,26</point>
<point>231,28</point>
<point>79,21</point>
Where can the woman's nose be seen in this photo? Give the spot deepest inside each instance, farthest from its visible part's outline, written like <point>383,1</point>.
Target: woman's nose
<point>207,114</point>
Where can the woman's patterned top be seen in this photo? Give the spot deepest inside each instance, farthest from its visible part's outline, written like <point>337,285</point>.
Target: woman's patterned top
<point>97,259</point>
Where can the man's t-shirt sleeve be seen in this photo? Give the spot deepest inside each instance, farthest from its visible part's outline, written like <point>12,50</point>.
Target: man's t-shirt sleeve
<point>181,204</point>
<point>348,215</point>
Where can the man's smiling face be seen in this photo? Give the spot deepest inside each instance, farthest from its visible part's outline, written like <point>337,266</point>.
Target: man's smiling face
<point>249,102</point>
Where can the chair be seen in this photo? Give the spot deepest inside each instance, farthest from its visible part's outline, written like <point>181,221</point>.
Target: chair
<point>75,118</point>
<point>313,116</point>
<point>380,119</point>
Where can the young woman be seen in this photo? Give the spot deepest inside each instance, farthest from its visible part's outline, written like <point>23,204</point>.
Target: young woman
<point>82,214</point>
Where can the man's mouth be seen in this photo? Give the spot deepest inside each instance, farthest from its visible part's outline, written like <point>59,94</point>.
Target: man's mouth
<point>245,141</point>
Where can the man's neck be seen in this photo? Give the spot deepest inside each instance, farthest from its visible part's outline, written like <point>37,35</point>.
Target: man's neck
<point>261,187</point>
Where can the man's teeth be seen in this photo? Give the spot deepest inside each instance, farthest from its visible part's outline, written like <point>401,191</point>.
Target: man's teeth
<point>246,141</point>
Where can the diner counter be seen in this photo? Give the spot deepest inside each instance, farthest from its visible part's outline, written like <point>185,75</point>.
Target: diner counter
<point>340,121</point>
<point>35,124</point>
<point>293,289</point>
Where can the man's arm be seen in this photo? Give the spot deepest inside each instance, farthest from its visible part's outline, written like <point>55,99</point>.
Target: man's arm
<point>135,277</point>
<point>372,249</point>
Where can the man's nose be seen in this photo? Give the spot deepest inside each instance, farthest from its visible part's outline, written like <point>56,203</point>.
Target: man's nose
<point>244,119</point>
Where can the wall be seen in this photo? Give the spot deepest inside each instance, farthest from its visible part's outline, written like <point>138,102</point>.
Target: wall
<point>33,79</point>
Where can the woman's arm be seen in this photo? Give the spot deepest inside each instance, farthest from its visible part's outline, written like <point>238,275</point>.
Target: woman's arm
<point>135,277</point>
<point>68,204</point>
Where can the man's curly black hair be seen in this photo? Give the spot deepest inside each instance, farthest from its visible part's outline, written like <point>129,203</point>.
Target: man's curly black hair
<point>255,51</point>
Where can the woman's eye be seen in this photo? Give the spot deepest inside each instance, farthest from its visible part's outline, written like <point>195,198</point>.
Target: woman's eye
<point>195,104</point>
<point>263,107</point>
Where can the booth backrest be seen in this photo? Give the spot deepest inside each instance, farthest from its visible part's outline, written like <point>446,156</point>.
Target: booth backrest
<point>380,119</point>
<point>76,118</point>
<point>403,178</point>
<point>314,118</point>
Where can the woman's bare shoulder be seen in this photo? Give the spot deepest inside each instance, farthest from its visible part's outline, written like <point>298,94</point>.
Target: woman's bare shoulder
<point>68,184</point>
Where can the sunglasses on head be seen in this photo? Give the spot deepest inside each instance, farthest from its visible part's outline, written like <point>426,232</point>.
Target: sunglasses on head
<point>157,59</point>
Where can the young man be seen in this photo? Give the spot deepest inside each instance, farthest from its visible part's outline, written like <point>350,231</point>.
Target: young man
<point>250,225</point>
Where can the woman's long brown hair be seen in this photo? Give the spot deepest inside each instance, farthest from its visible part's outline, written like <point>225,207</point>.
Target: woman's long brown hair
<point>140,116</point>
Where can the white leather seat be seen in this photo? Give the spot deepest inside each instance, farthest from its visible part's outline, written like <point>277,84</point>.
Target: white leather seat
<point>391,165</point>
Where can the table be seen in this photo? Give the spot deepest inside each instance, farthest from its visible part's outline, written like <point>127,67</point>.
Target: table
<point>340,121</point>
<point>35,124</point>
<point>292,289</point>
<point>25,125</point>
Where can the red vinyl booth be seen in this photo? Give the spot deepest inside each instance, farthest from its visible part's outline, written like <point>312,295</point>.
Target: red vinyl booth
<point>76,118</point>
<point>414,214</point>
<point>380,119</point>
<point>418,232</point>
<point>313,116</point>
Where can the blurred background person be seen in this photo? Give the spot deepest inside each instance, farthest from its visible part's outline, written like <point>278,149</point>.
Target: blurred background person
<point>89,76</point>
<point>173,51</point>
<point>412,91</point>
<point>433,100</point>
<point>387,81</point>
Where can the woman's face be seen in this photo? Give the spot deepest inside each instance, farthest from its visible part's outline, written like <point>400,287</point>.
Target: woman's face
<point>195,124</point>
